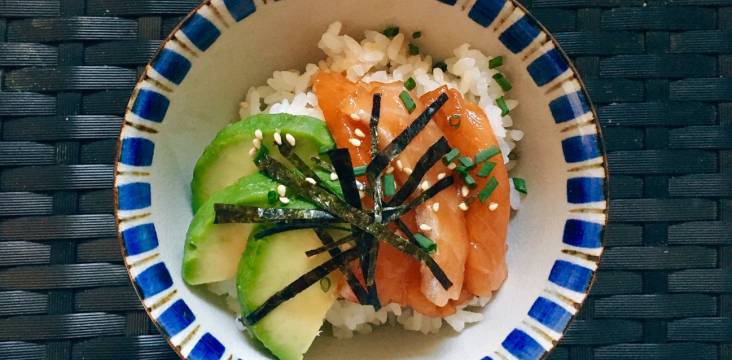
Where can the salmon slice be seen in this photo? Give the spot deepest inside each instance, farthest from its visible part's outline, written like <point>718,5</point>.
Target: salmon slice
<point>486,264</point>
<point>342,102</point>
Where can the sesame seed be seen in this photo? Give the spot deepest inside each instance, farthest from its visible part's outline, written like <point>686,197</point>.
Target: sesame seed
<point>363,115</point>
<point>333,176</point>
<point>257,143</point>
<point>354,116</point>
<point>282,190</point>
<point>359,133</point>
<point>425,185</point>
<point>354,141</point>
<point>452,166</point>
<point>290,139</point>
<point>278,138</point>
<point>399,165</point>
<point>389,169</point>
<point>463,206</point>
<point>360,186</point>
<point>252,151</point>
<point>441,176</point>
<point>425,227</point>
<point>436,207</point>
<point>258,134</point>
<point>284,200</point>
<point>408,171</point>
<point>310,180</point>
<point>464,191</point>
<point>492,206</point>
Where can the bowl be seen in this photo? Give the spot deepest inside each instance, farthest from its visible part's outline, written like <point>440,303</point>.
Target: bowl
<point>194,84</point>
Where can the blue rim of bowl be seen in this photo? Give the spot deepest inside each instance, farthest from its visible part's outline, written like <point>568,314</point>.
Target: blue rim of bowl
<point>571,276</point>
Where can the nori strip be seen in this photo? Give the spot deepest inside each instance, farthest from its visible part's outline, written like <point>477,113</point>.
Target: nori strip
<point>368,259</point>
<point>329,246</point>
<point>344,169</point>
<point>324,165</point>
<point>299,285</point>
<point>229,213</point>
<point>353,282</point>
<point>424,164</point>
<point>424,196</point>
<point>403,227</point>
<point>350,214</point>
<point>283,227</point>
<point>382,159</point>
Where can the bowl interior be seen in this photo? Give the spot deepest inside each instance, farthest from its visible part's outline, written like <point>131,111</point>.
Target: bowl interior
<point>284,35</point>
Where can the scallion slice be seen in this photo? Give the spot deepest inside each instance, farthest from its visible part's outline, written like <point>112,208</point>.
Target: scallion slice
<point>450,156</point>
<point>407,101</point>
<point>495,62</point>
<point>469,181</point>
<point>520,185</point>
<point>454,120</point>
<point>389,185</point>
<point>501,103</point>
<point>425,243</point>
<point>486,169</point>
<point>488,189</point>
<point>502,81</point>
<point>467,162</point>
<point>416,35</point>
<point>413,49</point>
<point>486,154</point>
<point>272,197</point>
<point>410,84</point>
<point>391,31</point>
<point>440,65</point>
<point>359,170</point>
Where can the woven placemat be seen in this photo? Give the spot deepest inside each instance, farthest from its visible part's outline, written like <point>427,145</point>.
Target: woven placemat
<point>660,73</point>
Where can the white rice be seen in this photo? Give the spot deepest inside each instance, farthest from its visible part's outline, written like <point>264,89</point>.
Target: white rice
<point>379,58</point>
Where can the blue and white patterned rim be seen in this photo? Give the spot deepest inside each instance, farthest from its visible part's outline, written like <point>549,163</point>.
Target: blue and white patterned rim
<point>570,277</point>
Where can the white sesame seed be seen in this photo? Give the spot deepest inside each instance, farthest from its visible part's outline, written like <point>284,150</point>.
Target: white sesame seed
<point>425,227</point>
<point>441,176</point>
<point>399,165</point>
<point>278,138</point>
<point>257,143</point>
<point>290,139</point>
<point>389,169</point>
<point>408,171</point>
<point>354,141</point>
<point>333,176</point>
<point>359,133</point>
<point>425,185</point>
<point>282,190</point>
<point>492,206</point>
<point>360,185</point>
<point>452,166</point>
<point>436,207</point>
<point>363,115</point>
<point>284,200</point>
<point>354,116</point>
<point>463,206</point>
<point>252,151</point>
<point>310,180</point>
<point>258,134</point>
<point>464,191</point>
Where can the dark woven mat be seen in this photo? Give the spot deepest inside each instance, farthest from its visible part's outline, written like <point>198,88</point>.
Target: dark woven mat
<point>660,73</point>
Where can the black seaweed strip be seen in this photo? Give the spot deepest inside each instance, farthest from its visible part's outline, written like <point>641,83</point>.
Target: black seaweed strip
<point>344,169</point>
<point>299,285</point>
<point>368,260</point>
<point>330,245</point>
<point>348,213</point>
<point>353,282</point>
<point>424,196</point>
<point>283,227</point>
<point>231,213</point>
<point>424,164</point>
<point>403,227</point>
<point>382,159</point>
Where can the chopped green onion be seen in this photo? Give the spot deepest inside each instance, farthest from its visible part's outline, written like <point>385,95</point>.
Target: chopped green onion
<point>486,169</point>
<point>502,81</point>
<point>454,120</point>
<point>325,284</point>
<point>391,31</point>
<point>469,181</point>
<point>467,162</point>
<point>272,197</point>
<point>416,35</point>
<point>486,154</point>
<point>407,101</point>
<point>413,49</point>
<point>462,170</point>
<point>450,156</point>
<point>501,103</point>
<point>359,170</point>
<point>495,62</point>
<point>410,84</point>
<point>441,65</point>
<point>425,243</point>
<point>389,185</point>
<point>520,185</point>
<point>490,186</point>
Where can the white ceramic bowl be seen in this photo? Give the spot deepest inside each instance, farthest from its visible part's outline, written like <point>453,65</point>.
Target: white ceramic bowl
<point>194,85</point>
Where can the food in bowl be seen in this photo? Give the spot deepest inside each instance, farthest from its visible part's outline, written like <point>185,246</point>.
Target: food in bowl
<point>372,188</point>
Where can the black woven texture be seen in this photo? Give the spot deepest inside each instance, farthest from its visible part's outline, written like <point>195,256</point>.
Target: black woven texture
<point>659,72</point>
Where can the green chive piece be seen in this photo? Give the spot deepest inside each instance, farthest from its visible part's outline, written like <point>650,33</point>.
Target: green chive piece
<point>425,243</point>
<point>486,154</point>
<point>416,35</point>
<point>520,185</point>
<point>325,284</point>
<point>450,156</point>
<point>469,181</point>
<point>410,84</point>
<point>413,49</point>
<point>486,169</point>
<point>391,31</point>
<point>441,65</point>
<point>490,186</point>
<point>495,62</point>
<point>501,103</point>
<point>502,81</point>
<point>462,170</point>
<point>272,197</point>
<point>467,162</point>
<point>359,170</point>
<point>389,185</point>
<point>454,120</point>
<point>407,101</point>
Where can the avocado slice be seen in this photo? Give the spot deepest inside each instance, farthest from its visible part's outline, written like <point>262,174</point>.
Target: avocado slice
<point>212,252</point>
<point>225,159</point>
<point>267,266</point>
